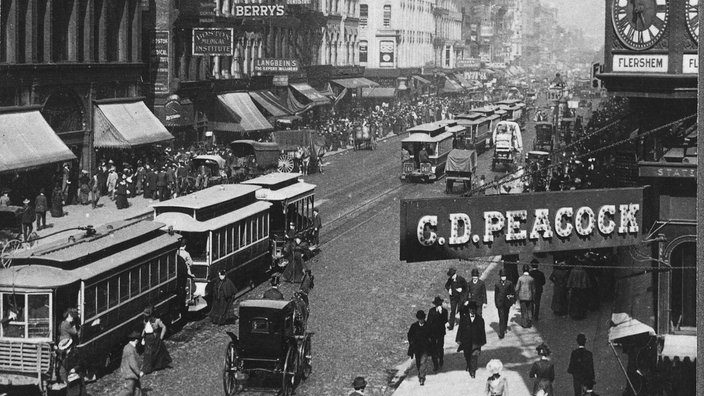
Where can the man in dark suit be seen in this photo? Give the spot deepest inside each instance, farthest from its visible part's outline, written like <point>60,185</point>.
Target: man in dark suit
<point>539,282</point>
<point>581,366</point>
<point>419,344</point>
<point>150,183</point>
<point>317,225</point>
<point>162,184</point>
<point>130,369</point>
<point>472,337</point>
<point>274,293</point>
<point>437,319</point>
<point>525,290</point>
<point>477,291</point>
<point>457,288</point>
<point>503,298</point>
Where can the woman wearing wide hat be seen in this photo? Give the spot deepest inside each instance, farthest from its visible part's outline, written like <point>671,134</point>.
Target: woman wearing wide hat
<point>543,371</point>
<point>496,384</point>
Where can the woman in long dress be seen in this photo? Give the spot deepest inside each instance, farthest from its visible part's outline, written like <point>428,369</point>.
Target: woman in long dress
<point>295,268</point>
<point>156,357</point>
<point>559,277</point>
<point>57,202</point>
<point>578,283</point>
<point>223,292</point>
<point>544,373</point>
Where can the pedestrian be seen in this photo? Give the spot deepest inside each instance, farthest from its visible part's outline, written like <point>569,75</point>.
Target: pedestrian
<point>95,190</point>
<point>139,176</point>
<point>472,336</point>
<point>40,207</point>
<point>496,385</point>
<point>437,319</point>
<point>156,357</point>
<point>560,296</point>
<point>149,183</point>
<point>223,292</point>
<point>121,192</point>
<point>171,180</point>
<point>112,182</point>
<point>66,358</point>
<point>525,290</point>
<point>296,267</point>
<point>544,373</point>
<point>419,345</point>
<point>482,185</point>
<point>476,291</point>
<point>317,225</point>
<point>307,284</point>
<point>76,385</point>
<point>130,370</point>
<point>456,287</point>
<point>65,181</point>
<point>504,298</point>
<point>581,366</point>
<point>578,285</point>
<point>5,199</point>
<point>102,174</point>
<point>57,202</point>
<point>67,327</point>
<point>162,185</point>
<point>181,178</point>
<point>539,283</point>
<point>84,187</point>
<point>359,384</point>
<point>28,218</point>
<point>273,293</point>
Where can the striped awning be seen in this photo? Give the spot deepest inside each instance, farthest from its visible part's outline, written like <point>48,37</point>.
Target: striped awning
<point>354,83</point>
<point>130,124</point>
<point>310,93</point>
<point>271,103</point>
<point>248,117</point>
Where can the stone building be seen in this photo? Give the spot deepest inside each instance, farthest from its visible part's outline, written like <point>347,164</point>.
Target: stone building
<point>447,43</point>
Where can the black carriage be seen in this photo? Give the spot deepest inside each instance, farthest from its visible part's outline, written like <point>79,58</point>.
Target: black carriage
<point>273,342</point>
<point>207,170</point>
<point>543,137</point>
<point>291,141</point>
<point>254,158</point>
<point>461,166</point>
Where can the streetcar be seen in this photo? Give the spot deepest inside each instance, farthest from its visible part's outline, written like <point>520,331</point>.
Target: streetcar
<point>479,130</point>
<point>107,274</point>
<point>515,109</point>
<point>224,227</point>
<point>437,147</point>
<point>292,201</point>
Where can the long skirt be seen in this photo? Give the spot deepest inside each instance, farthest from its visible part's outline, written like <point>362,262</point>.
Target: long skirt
<point>85,194</point>
<point>121,201</point>
<point>57,206</point>
<point>222,311</point>
<point>559,300</point>
<point>294,270</point>
<point>156,357</point>
<point>578,303</point>
<point>544,385</point>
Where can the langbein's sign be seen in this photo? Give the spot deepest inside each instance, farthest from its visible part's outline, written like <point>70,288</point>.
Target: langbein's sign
<point>443,228</point>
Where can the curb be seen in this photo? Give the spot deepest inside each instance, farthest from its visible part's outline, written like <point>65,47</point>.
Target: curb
<point>381,140</point>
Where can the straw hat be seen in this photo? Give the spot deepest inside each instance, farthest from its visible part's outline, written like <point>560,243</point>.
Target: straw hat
<point>65,343</point>
<point>494,366</point>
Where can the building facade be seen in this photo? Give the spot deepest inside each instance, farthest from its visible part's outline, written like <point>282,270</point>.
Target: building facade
<point>447,44</point>
<point>340,42</point>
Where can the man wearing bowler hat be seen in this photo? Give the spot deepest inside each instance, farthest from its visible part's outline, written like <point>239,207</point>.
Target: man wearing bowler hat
<point>130,369</point>
<point>359,384</point>
<point>504,299</point>
<point>419,345</point>
<point>457,289</point>
<point>437,319</point>
<point>477,291</point>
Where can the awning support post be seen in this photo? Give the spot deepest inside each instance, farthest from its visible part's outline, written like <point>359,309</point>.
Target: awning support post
<point>623,369</point>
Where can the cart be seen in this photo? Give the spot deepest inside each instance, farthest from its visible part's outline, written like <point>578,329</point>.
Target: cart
<point>273,346</point>
<point>537,166</point>
<point>461,165</point>
<point>543,137</point>
<point>10,232</point>
<point>507,140</point>
<point>363,139</point>
<point>207,170</point>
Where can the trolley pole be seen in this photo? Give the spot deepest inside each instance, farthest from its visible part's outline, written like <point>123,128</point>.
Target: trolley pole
<point>700,217</point>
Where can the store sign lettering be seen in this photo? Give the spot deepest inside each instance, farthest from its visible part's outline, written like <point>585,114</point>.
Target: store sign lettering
<point>667,171</point>
<point>213,41</point>
<point>640,63</point>
<point>259,10</point>
<point>438,229</point>
<point>690,64</point>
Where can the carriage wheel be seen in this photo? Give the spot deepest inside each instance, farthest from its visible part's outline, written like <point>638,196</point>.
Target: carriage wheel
<point>290,376</point>
<point>7,250</point>
<point>231,384</point>
<point>285,164</point>
<point>305,352</point>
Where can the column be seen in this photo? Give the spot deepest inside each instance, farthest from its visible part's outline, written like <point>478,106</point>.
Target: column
<point>137,33</point>
<point>103,33</point>
<point>73,42</point>
<point>235,66</point>
<point>247,58</point>
<point>270,41</point>
<point>285,43</point>
<point>183,57</point>
<point>88,37</point>
<point>11,30</point>
<point>123,39</point>
<point>30,32</point>
<point>216,67</point>
<point>277,44</point>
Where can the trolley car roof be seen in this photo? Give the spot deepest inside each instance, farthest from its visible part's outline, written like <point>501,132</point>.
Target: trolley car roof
<point>208,197</point>
<point>273,179</point>
<point>286,193</point>
<point>423,138</point>
<point>186,223</point>
<point>271,304</point>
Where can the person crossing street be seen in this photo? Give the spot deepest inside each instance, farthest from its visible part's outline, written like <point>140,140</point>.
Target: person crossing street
<point>525,290</point>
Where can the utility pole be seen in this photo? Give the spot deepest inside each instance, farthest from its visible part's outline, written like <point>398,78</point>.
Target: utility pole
<point>700,217</point>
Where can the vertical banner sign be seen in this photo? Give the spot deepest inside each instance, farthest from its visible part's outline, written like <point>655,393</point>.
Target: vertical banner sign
<point>386,53</point>
<point>159,61</point>
<point>446,228</point>
<point>213,41</point>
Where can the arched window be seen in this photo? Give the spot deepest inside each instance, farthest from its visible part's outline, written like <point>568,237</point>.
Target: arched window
<point>363,14</point>
<point>387,15</point>
<point>683,295</point>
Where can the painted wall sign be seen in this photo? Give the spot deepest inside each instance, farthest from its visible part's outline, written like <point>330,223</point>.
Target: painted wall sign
<point>159,61</point>
<point>280,80</point>
<point>386,53</point>
<point>668,171</point>
<point>640,63</point>
<point>271,65</point>
<point>474,63</point>
<point>258,10</point>
<point>298,2</point>
<point>445,228</point>
<point>213,41</point>
<point>690,63</point>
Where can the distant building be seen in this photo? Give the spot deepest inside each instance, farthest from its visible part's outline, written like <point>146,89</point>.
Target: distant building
<point>447,44</point>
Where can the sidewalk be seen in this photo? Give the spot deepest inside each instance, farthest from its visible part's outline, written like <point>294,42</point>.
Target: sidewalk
<point>517,350</point>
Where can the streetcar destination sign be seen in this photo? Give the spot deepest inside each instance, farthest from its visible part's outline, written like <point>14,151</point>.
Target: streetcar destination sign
<point>445,228</point>
<point>640,63</point>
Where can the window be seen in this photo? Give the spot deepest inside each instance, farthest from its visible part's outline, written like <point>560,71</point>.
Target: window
<point>154,269</point>
<point>144,277</point>
<point>215,247</point>
<point>172,266</point>
<point>124,286</point>
<point>363,51</point>
<point>33,315</point>
<point>683,301</point>
<point>260,325</point>
<point>134,282</point>
<point>197,245</point>
<point>363,15</point>
<point>447,56</point>
<point>387,15</point>
<point>101,291</point>
<point>163,270</point>
<point>39,313</point>
<point>113,292</point>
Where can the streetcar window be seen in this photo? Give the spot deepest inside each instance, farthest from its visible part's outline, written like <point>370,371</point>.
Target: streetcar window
<point>89,301</point>
<point>134,282</point>
<point>243,234</point>
<point>222,240</point>
<point>144,277</point>
<point>154,266</point>
<point>172,266</point>
<point>113,292</point>
<point>39,312</point>
<point>163,270</point>
<point>197,245</point>
<point>235,237</point>
<point>266,224</point>
<point>14,303</point>
<point>250,229</point>
<point>124,286</point>
<point>102,296</point>
<point>226,240</point>
<point>215,249</point>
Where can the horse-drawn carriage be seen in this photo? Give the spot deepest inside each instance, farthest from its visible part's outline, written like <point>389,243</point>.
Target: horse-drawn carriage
<point>461,166</point>
<point>544,137</point>
<point>507,141</point>
<point>10,231</point>
<point>273,342</point>
<point>254,159</point>
<point>300,149</point>
<point>363,138</point>
<point>207,170</point>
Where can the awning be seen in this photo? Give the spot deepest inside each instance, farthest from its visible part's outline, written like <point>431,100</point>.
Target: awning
<point>680,346</point>
<point>422,80</point>
<point>626,326</point>
<point>271,103</point>
<point>27,141</point>
<point>354,83</point>
<point>379,92</point>
<point>463,81</point>
<point>123,125</point>
<point>451,86</point>
<point>310,93</point>
<point>241,106</point>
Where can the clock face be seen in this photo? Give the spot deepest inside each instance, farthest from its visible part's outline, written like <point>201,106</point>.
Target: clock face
<point>692,17</point>
<point>640,23</point>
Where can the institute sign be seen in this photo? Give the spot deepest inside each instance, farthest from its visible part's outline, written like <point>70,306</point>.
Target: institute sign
<point>213,41</point>
<point>446,228</point>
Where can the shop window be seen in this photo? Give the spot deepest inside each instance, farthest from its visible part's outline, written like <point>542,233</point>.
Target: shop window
<point>363,51</point>
<point>363,14</point>
<point>683,298</point>
<point>387,15</point>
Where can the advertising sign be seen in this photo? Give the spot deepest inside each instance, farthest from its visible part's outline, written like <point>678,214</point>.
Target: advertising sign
<point>280,81</point>
<point>213,41</point>
<point>305,2</point>
<point>447,228</point>
<point>640,63</point>
<point>159,61</point>
<point>690,63</point>
<point>470,63</point>
<point>386,53</point>
<point>206,11</point>
<point>258,10</point>
<point>496,65</point>
<point>270,65</point>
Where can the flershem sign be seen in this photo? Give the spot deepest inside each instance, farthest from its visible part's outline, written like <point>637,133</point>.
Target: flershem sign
<point>640,63</point>
<point>213,41</point>
<point>445,228</point>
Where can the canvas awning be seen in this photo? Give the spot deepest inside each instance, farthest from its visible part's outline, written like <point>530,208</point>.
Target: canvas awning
<point>310,93</point>
<point>378,92</point>
<point>248,118</point>
<point>354,83</point>
<point>463,81</point>
<point>451,86</point>
<point>130,124</point>
<point>271,103</point>
<point>27,141</point>
<point>680,346</point>
<point>422,80</point>
<point>626,326</point>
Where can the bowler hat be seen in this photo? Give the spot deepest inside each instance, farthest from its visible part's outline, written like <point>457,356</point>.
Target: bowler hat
<point>502,273</point>
<point>534,262</point>
<point>543,350</point>
<point>451,271</point>
<point>359,382</point>
<point>437,300</point>
<point>420,314</point>
<point>475,272</point>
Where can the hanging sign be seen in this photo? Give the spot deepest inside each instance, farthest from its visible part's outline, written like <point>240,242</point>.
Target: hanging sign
<point>640,63</point>
<point>386,53</point>
<point>280,80</point>
<point>159,61</point>
<point>446,228</point>
<point>258,10</point>
<point>213,41</point>
<point>269,65</point>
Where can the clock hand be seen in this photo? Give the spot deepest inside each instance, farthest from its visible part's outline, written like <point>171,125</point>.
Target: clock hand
<point>640,15</point>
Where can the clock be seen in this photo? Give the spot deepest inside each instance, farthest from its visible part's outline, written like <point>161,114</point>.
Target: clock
<point>692,18</point>
<point>640,24</point>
